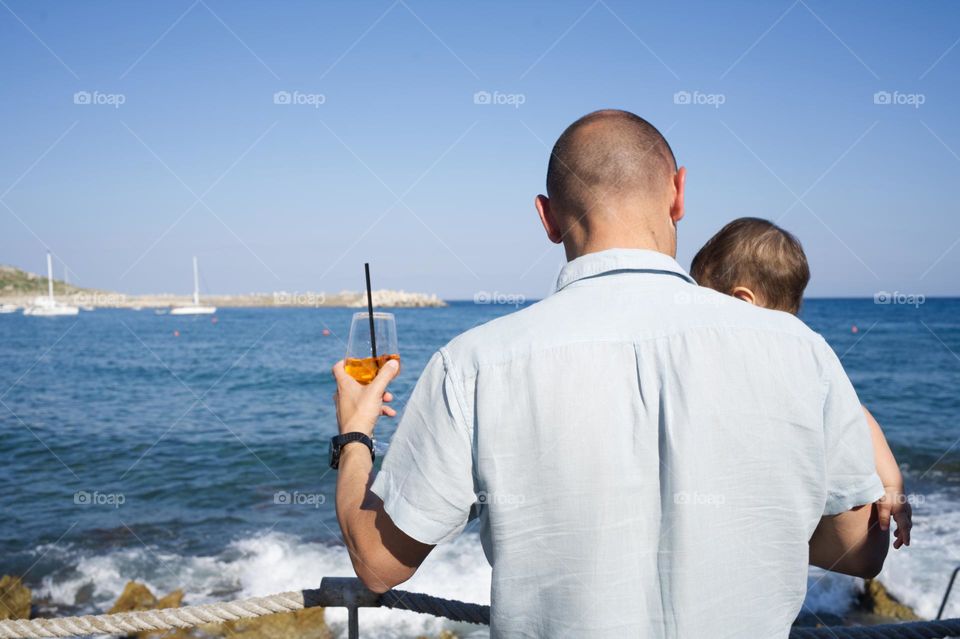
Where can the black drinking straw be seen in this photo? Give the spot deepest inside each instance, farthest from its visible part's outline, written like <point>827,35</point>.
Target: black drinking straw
<point>373,337</point>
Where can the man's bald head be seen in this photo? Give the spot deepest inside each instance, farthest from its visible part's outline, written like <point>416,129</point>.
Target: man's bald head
<point>608,156</point>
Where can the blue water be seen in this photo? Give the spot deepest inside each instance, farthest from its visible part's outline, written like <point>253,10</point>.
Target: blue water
<point>181,432</point>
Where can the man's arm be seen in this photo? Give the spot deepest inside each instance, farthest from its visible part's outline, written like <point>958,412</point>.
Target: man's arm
<point>851,542</point>
<point>382,554</point>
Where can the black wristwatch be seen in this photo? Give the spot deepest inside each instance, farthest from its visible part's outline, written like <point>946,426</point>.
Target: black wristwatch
<point>337,443</point>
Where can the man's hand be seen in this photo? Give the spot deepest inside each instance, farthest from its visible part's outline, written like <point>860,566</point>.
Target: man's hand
<point>895,504</point>
<point>382,554</point>
<point>359,406</point>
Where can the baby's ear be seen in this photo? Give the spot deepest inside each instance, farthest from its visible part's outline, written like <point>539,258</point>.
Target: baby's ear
<point>745,294</point>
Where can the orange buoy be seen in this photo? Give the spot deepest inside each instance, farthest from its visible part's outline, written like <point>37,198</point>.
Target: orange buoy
<point>214,320</point>
<point>854,329</point>
<point>326,331</point>
<point>176,333</point>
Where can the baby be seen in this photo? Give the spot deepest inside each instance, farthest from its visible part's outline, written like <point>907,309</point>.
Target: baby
<point>758,262</point>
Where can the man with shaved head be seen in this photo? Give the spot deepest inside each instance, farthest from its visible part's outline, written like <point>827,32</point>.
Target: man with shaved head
<point>646,458</point>
<point>607,172</point>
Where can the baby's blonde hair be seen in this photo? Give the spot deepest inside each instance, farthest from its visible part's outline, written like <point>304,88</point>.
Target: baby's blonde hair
<point>759,255</point>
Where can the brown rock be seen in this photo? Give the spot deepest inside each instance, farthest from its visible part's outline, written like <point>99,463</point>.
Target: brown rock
<point>170,600</point>
<point>14,598</point>
<point>308,623</point>
<point>444,634</point>
<point>876,600</point>
<point>302,624</point>
<point>135,596</point>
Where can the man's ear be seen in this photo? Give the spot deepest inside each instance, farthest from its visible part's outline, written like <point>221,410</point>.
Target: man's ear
<point>679,183</point>
<point>745,294</point>
<point>549,222</point>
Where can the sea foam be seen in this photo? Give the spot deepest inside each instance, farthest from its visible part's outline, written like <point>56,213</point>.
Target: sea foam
<point>274,562</point>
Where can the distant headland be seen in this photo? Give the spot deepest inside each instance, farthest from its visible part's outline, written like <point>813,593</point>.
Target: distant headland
<point>20,288</point>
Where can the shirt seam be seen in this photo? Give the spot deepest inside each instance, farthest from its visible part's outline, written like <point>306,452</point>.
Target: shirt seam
<point>450,370</point>
<point>627,269</point>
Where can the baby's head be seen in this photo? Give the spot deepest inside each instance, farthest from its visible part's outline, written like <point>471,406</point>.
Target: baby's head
<point>756,261</point>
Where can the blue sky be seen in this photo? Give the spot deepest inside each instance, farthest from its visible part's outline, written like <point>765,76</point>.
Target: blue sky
<point>400,166</point>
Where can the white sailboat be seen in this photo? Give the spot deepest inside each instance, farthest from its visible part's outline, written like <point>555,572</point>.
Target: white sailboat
<point>48,306</point>
<point>196,308</point>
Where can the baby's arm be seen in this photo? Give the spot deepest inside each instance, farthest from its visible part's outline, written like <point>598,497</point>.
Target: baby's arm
<point>894,501</point>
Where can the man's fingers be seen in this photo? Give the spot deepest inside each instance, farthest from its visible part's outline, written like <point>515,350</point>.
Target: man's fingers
<point>339,371</point>
<point>388,396</point>
<point>389,412</point>
<point>387,372</point>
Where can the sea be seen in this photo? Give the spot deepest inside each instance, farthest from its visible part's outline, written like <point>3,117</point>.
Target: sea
<point>192,452</point>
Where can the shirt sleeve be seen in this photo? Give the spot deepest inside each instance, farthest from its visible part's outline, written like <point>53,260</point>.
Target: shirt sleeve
<point>852,478</point>
<point>426,480</point>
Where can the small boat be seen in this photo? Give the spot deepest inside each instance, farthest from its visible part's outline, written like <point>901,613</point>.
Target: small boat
<point>8,308</point>
<point>48,306</point>
<point>196,308</point>
<point>87,308</point>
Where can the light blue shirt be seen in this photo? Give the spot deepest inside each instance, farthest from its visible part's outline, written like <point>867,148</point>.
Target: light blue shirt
<point>649,457</point>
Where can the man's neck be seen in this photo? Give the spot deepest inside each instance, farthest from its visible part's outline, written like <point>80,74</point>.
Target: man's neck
<point>577,249</point>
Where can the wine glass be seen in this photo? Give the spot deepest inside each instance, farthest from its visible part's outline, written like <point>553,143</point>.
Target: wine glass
<point>365,357</point>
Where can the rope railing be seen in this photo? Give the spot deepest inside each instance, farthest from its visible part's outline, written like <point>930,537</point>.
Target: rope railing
<point>350,593</point>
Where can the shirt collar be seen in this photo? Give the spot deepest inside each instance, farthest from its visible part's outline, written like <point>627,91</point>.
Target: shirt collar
<point>614,260</point>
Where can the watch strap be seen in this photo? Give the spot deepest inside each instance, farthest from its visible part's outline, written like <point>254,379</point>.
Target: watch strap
<point>339,441</point>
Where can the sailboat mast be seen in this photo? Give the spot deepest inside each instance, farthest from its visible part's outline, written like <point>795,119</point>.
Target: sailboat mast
<point>196,283</point>
<point>49,275</point>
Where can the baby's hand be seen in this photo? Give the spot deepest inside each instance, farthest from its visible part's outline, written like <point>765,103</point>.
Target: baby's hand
<point>895,504</point>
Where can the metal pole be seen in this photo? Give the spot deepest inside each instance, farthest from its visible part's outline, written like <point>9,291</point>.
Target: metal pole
<point>946,595</point>
<point>49,275</point>
<point>353,622</point>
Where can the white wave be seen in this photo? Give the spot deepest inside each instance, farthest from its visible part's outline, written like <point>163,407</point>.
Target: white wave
<point>275,562</point>
<point>830,592</point>
<point>918,575</point>
<point>270,563</point>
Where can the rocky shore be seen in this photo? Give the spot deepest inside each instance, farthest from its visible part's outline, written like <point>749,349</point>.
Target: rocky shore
<point>875,606</point>
<point>20,288</point>
<point>282,299</point>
